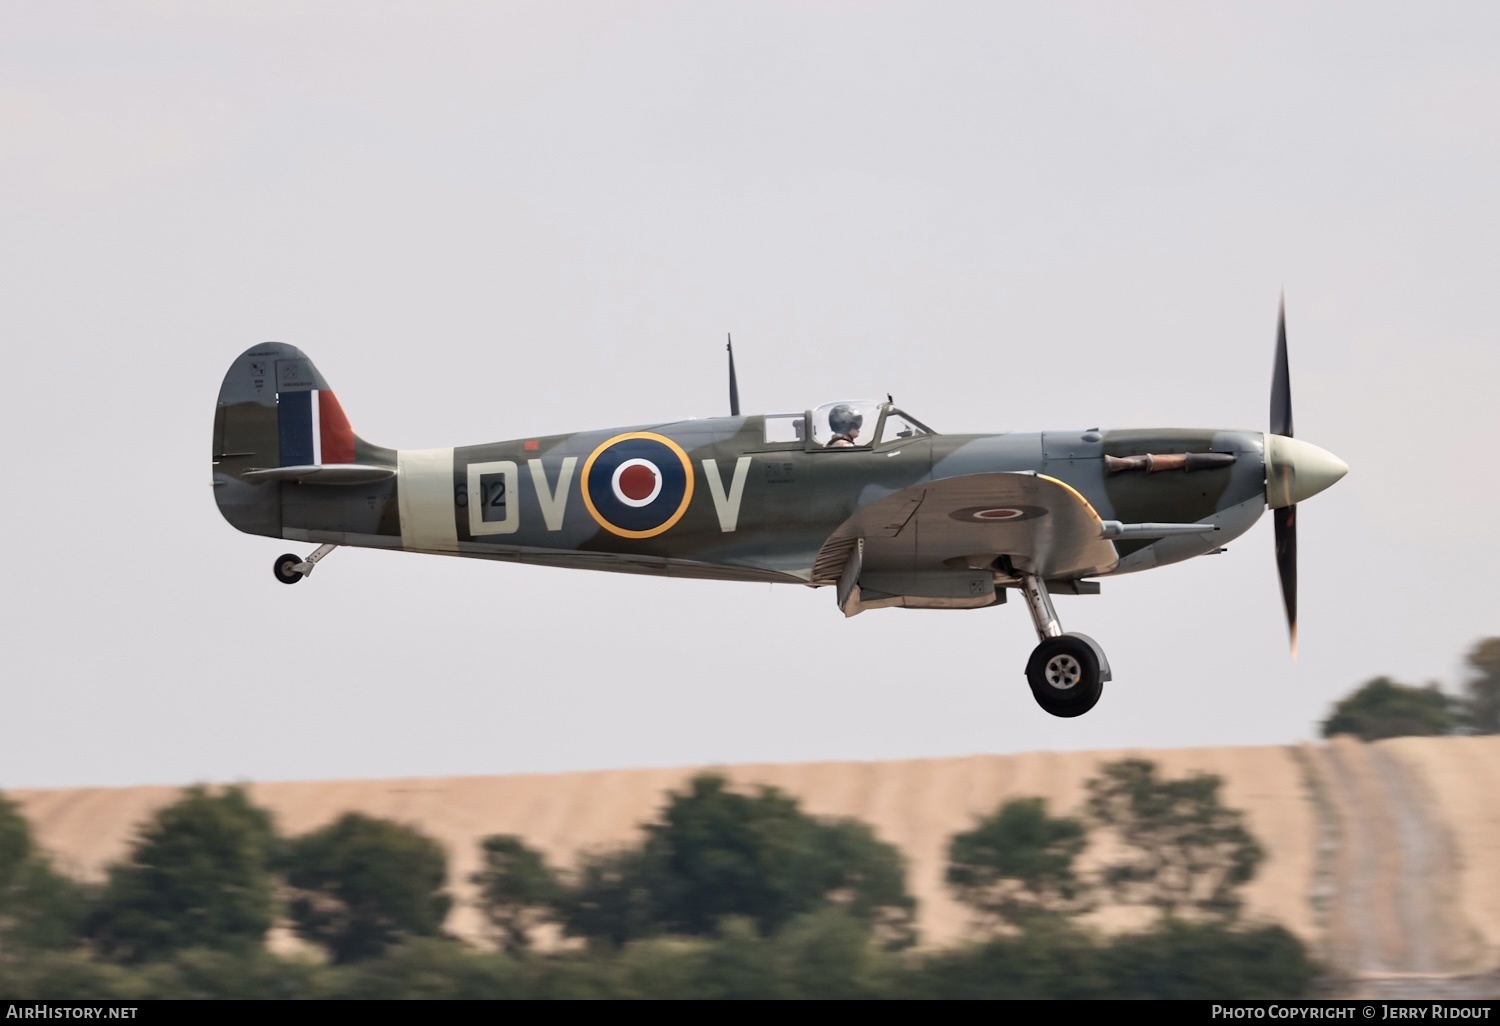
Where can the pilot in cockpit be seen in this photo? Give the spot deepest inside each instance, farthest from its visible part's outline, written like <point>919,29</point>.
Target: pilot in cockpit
<point>845,421</point>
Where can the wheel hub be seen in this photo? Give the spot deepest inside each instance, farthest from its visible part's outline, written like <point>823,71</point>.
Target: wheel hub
<point>1063,671</point>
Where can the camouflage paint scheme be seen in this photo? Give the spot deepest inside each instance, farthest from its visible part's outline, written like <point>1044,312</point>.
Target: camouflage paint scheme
<point>750,510</point>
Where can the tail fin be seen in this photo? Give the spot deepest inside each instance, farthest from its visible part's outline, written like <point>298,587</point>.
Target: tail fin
<point>278,423</point>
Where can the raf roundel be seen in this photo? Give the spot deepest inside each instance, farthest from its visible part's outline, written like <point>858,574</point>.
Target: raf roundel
<point>636,482</point>
<point>637,485</point>
<point>996,514</point>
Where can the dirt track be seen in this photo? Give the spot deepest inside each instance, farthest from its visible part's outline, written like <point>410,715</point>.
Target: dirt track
<point>1382,856</point>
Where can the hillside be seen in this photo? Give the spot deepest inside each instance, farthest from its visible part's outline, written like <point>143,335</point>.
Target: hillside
<point>1383,857</point>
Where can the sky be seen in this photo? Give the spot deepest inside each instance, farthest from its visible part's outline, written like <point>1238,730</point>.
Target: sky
<point>495,220</point>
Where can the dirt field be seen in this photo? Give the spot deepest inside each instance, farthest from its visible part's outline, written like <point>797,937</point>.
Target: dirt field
<point>1384,857</point>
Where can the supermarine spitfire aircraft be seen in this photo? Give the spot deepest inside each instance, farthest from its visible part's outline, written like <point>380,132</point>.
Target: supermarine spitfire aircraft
<point>859,497</point>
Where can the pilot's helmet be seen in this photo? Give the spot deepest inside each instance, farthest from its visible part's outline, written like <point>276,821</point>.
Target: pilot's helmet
<point>844,419</point>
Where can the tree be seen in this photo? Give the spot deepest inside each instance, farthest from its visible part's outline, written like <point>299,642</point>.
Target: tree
<point>517,890</point>
<point>46,911</point>
<point>1383,708</point>
<point>1481,702</point>
<point>15,845</point>
<point>428,969</point>
<point>716,854</point>
<point>866,878</point>
<point>1208,961</point>
<point>1182,850</point>
<point>240,976</point>
<point>198,875</point>
<point>610,900</point>
<point>361,884</point>
<point>1017,864</point>
<point>1048,959</point>
<point>40,909</point>
<point>828,954</point>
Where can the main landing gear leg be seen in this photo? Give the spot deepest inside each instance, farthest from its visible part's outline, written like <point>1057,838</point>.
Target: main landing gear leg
<point>289,569</point>
<point>1066,671</point>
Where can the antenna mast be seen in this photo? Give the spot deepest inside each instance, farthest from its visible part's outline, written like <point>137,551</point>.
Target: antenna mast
<point>734,387</point>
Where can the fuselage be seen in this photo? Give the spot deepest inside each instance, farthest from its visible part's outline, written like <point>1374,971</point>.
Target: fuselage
<point>741,507</point>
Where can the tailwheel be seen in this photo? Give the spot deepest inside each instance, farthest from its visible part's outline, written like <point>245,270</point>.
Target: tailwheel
<point>290,569</point>
<point>286,569</point>
<point>1066,675</point>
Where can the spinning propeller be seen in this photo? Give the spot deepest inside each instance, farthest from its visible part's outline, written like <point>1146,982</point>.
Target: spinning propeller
<point>1295,470</point>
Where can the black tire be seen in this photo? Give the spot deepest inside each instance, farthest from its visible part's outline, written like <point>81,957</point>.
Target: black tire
<point>1064,676</point>
<point>283,568</point>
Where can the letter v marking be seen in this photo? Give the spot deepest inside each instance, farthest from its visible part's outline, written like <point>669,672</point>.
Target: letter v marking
<point>553,503</point>
<point>727,506</point>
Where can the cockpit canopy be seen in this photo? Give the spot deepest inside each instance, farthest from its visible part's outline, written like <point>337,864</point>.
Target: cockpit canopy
<point>847,424</point>
<point>854,423</point>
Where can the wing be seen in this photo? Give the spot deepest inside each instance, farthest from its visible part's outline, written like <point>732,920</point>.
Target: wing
<point>935,537</point>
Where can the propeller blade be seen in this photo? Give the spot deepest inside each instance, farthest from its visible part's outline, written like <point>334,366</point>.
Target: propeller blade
<point>1286,566</point>
<point>734,386</point>
<point>1281,381</point>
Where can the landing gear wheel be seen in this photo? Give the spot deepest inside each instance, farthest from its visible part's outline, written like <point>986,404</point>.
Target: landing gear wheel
<point>1065,676</point>
<point>286,571</point>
